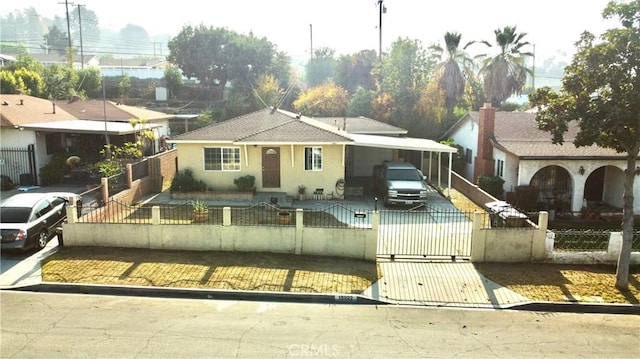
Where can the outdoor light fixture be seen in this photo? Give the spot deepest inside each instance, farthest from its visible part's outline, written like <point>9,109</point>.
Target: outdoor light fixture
<point>581,170</point>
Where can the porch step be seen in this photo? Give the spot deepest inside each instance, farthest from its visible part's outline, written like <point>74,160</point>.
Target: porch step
<point>281,198</point>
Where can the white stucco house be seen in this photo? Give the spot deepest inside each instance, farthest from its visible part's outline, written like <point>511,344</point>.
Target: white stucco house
<point>509,145</point>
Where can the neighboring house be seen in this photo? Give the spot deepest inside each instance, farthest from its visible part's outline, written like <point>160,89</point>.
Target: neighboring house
<point>33,129</point>
<point>509,145</point>
<point>57,59</point>
<point>284,150</point>
<point>139,68</point>
<point>6,60</point>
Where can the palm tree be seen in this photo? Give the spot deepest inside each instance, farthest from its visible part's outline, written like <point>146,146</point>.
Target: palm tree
<point>453,69</point>
<point>505,74</point>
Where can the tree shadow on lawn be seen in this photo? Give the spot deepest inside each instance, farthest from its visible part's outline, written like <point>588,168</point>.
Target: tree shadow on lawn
<point>574,282</point>
<point>219,270</point>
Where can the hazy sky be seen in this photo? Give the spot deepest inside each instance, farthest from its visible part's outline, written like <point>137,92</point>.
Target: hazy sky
<point>348,26</point>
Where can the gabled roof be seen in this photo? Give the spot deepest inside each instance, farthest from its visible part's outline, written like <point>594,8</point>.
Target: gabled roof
<point>18,110</point>
<point>95,110</point>
<point>266,126</point>
<point>517,133</point>
<point>362,125</point>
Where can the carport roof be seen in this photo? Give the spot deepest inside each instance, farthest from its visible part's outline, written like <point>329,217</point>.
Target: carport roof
<point>89,126</point>
<point>401,143</point>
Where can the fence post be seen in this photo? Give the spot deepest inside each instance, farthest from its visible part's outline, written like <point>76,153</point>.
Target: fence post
<point>155,215</point>
<point>539,245</point>
<point>299,225</point>
<point>477,238</point>
<point>104,181</point>
<point>71,213</point>
<point>129,175</point>
<point>226,216</point>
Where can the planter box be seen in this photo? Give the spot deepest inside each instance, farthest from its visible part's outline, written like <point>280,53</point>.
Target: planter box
<point>213,196</point>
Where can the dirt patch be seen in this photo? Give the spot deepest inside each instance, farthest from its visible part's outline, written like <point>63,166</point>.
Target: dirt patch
<point>210,270</point>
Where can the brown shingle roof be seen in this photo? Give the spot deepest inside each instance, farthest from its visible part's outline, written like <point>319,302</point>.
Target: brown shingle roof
<point>95,110</point>
<point>362,125</point>
<point>32,110</point>
<point>264,126</point>
<point>517,133</point>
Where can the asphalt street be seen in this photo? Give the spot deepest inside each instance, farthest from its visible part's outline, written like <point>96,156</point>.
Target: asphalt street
<point>80,326</point>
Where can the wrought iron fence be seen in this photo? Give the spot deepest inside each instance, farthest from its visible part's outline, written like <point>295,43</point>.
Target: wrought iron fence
<point>140,169</point>
<point>117,183</point>
<point>337,216</point>
<point>581,239</point>
<point>263,214</point>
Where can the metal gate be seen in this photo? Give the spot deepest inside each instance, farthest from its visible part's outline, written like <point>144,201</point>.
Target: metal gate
<point>425,232</point>
<point>19,164</point>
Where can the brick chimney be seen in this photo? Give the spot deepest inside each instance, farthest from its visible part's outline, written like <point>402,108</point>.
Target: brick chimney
<point>484,163</point>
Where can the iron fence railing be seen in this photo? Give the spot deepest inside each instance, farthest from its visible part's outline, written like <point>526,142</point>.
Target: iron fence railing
<point>117,183</point>
<point>337,216</point>
<point>581,239</point>
<point>262,214</point>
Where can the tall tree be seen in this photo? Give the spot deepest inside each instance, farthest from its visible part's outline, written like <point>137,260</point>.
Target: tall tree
<point>505,74</point>
<point>327,99</point>
<point>217,57</point>
<point>454,67</point>
<point>56,41</point>
<point>89,26</point>
<point>354,71</point>
<point>321,67</point>
<point>137,39</point>
<point>600,90</point>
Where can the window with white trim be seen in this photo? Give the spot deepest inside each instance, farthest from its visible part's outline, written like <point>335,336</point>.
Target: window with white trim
<point>222,159</point>
<point>313,158</point>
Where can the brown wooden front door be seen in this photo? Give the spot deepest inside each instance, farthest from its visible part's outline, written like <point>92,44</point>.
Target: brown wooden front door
<point>271,167</point>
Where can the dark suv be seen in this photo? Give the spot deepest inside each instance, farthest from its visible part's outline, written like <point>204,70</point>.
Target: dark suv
<point>400,183</point>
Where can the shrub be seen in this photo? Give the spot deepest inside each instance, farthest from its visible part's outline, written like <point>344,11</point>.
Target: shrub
<point>491,185</point>
<point>245,183</point>
<point>184,181</point>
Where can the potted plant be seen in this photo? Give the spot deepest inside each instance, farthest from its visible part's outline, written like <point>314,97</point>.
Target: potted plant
<point>200,211</point>
<point>284,217</point>
<point>302,190</point>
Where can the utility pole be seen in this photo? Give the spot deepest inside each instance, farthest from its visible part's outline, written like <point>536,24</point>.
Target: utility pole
<point>311,35</point>
<point>382,9</point>
<point>66,5</point>
<point>81,47</point>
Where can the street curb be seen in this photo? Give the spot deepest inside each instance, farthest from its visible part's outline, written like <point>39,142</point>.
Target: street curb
<point>577,307</point>
<point>187,293</point>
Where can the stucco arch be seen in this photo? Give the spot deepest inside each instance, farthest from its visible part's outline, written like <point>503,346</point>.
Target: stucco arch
<point>605,184</point>
<point>555,185</point>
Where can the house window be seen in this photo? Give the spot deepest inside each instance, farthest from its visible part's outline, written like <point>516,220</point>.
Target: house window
<point>499,168</point>
<point>54,142</point>
<point>313,158</point>
<point>222,159</point>
<point>468,155</point>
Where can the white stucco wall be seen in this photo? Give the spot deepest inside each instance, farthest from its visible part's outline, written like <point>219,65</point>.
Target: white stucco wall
<point>466,135</point>
<point>364,158</point>
<point>612,189</point>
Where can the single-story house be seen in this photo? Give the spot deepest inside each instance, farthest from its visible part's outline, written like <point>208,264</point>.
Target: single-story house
<point>510,145</point>
<point>33,129</point>
<point>284,150</point>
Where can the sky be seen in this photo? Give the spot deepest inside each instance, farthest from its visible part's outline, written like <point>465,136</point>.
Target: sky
<point>348,26</point>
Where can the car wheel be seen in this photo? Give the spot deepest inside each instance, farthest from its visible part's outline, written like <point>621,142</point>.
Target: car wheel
<point>42,240</point>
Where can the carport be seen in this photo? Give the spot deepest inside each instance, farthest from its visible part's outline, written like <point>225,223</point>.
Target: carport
<point>411,144</point>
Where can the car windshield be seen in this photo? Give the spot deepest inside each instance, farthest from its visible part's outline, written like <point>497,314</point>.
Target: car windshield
<point>14,214</point>
<point>403,175</point>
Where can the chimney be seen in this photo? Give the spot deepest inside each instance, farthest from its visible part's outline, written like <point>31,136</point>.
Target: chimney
<point>21,102</point>
<point>484,163</point>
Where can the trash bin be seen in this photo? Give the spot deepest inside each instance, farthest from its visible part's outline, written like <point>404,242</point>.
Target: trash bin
<point>502,214</point>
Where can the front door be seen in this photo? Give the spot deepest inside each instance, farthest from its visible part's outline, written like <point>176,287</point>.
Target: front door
<point>271,167</point>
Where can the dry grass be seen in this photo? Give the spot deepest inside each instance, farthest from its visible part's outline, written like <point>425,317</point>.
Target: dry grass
<point>557,282</point>
<point>210,270</point>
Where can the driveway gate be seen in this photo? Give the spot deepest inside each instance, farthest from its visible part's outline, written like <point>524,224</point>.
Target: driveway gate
<point>425,232</point>
<point>18,163</point>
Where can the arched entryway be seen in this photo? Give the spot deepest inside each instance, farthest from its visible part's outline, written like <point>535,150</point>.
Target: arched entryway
<point>555,187</point>
<point>605,186</point>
